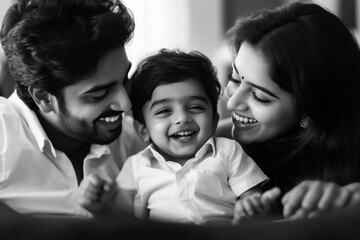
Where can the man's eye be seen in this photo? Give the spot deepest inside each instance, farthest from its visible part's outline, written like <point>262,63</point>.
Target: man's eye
<point>98,96</point>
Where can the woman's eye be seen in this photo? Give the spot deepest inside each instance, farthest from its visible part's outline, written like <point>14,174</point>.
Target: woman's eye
<point>258,99</point>
<point>232,79</point>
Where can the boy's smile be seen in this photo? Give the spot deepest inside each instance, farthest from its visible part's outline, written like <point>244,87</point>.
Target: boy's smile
<point>179,119</point>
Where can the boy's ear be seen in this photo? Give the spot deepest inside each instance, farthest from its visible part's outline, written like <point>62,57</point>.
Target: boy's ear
<point>142,131</point>
<point>42,99</point>
<point>215,123</point>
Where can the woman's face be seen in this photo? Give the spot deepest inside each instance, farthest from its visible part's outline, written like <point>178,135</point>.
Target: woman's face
<point>261,110</point>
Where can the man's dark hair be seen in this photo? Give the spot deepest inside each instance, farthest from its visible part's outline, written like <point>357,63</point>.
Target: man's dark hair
<point>51,44</point>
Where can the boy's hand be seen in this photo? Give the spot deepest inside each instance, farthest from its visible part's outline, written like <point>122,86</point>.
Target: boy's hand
<point>312,198</point>
<point>95,194</point>
<point>255,205</point>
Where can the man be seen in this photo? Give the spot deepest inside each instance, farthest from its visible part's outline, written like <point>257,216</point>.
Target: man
<point>65,118</point>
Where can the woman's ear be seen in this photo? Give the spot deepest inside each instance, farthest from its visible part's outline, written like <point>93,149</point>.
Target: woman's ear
<point>142,131</point>
<point>42,99</point>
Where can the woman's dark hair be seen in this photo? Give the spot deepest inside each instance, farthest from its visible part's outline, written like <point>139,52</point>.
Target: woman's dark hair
<point>167,67</point>
<point>315,57</point>
<point>56,43</point>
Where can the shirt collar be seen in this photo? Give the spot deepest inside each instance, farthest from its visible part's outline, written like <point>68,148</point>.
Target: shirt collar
<point>208,146</point>
<point>33,123</point>
<point>44,143</point>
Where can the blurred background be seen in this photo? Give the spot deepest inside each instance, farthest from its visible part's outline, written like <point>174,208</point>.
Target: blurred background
<point>197,25</point>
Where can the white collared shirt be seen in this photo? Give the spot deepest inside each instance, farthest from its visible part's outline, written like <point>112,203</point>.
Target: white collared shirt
<point>35,178</point>
<point>203,190</point>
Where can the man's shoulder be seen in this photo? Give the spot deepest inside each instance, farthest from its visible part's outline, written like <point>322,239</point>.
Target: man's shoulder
<point>6,106</point>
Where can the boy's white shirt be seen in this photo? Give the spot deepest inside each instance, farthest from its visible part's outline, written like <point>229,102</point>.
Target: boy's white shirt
<point>203,190</point>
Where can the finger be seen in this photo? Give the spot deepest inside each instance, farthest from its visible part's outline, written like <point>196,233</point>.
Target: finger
<point>250,204</point>
<point>292,200</point>
<point>355,200</point>
<point>109,186</point>
<point>239,212</point>
<point>95,180</point>
<point>312,196</point>
<point>328,196</point>
<point>270,196</point>
<point>342,200</point>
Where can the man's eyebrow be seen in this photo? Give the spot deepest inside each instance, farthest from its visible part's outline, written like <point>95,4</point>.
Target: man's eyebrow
<point>257,86</point>
<point>166,100</point>
<point>108,85</point>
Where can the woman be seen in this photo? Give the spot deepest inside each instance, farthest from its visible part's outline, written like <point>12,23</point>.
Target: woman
<point>295,99</point>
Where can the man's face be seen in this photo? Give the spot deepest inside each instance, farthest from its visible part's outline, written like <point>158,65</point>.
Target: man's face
<point>91,110</point>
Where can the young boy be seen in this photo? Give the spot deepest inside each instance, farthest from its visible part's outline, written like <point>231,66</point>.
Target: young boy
<point>185,174</point>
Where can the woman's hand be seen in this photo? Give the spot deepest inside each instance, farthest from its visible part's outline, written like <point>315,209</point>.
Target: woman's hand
<point>256,205</point>
<point>312,198</point>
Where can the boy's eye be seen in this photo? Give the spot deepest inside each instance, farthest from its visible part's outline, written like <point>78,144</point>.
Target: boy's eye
<point>163,112</point>
<point>196,108</point>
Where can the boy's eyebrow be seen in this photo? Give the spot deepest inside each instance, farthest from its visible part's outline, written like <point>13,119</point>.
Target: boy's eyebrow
<point>167,100</point>
<point>108,85</point>
<point>257,86</point>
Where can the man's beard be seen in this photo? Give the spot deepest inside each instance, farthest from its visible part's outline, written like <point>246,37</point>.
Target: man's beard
<point>83,131</point>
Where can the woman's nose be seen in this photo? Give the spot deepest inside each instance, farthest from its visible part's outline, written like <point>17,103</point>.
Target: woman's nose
<point>237,99</point>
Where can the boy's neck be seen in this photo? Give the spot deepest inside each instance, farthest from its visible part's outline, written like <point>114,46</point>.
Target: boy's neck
<point>179,160</point>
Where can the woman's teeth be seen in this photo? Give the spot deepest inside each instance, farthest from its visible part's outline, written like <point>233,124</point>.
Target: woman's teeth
<point>243,120</point>
<point>110,119</point>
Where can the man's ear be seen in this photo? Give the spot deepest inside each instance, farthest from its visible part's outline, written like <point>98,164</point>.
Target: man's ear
<point>142,131</point>
<point>42,99</point>
<point>215,123</point>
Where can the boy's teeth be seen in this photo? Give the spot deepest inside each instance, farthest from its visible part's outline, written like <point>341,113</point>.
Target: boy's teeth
<point>110,119</point>
<point>184,133</point>
<point>243,120</point>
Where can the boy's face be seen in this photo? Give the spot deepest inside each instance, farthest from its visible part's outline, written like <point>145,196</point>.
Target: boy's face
<point>179,119</point>
<point>91,109</point>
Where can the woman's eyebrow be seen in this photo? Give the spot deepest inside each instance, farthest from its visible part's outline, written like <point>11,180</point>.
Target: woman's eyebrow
<point>257,86</point>
<point>235,69</point>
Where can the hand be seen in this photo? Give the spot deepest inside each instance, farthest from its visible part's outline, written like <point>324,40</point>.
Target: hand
<point>255,205</point>
<point>312,198</point>
<point>95,194</point>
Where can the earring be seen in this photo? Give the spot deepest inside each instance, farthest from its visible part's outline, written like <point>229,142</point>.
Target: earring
<point>304,122</point>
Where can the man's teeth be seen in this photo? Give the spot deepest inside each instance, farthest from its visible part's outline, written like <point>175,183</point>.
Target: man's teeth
<point>243,120</point>
<point>110,119</point>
